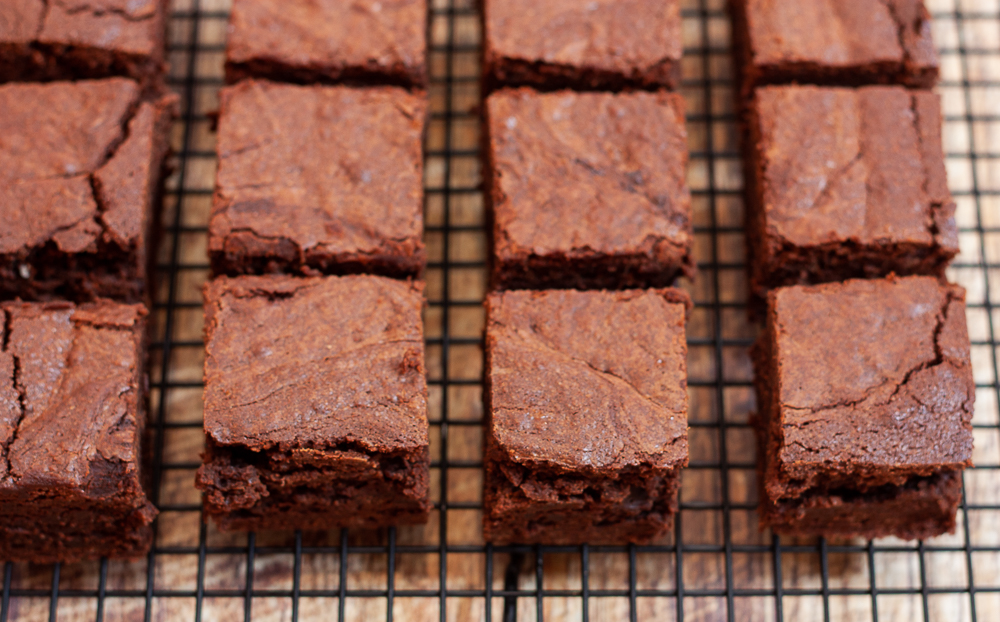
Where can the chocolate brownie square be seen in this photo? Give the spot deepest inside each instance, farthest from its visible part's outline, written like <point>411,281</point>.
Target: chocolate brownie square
<point>80,174</point>
<point>315,403</point>
<point>865,396</point>
<point>845,42</point>
<point>605,45</point>
<point>586,396</point>
<point>307,41</point>
<point>72,419</point>
<point>74,39</point>
<point>846,183</point>
<point>318,180</point>
<point>588,190</point>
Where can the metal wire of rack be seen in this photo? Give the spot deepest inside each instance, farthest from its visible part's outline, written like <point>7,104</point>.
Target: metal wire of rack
<point>716,565</point>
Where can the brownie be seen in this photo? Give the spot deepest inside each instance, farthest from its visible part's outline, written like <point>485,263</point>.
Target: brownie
<point>588,190</point>
<point>74,39</point>
<point>865,396</point>
<point>586,399</point>
<point>846,183</point>
<point>315,403</point>
<point>845,42</point>
<point>72,419</point>
<point>605,45</point>
<point>318,180</point>
<point>308,41</point>
<point>80,176</point>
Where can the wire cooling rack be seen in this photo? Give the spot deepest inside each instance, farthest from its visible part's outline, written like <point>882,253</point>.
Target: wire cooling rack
<point>716,565</point>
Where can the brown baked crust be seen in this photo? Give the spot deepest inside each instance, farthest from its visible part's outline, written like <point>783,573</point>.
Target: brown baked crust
<point>588,190</point>
<point>82,39</point>
<point>846,183</point>
<point>318,180</point>
<point>72,417</point>
<point>315,403</point>
<point>834,42</point>
<point>306,41</point>
<point>865,393</point>
<point>80,173</point>
<point>587,414</point>
<point>605,45</point>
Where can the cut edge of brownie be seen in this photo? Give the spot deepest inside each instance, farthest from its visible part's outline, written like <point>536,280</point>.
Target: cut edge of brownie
<point>505,72</point>
<point>38,62</point>
<point>131,534</point>
<point>276,70</point>
<point>776,262</point>
<point>586,270</point>
<point>581,516</point>
<point>395,259</point>
<point>920,509</point>
<point>750,76</point>
<point>510,516</point>
<point>299,487</point>
<point>112,270</point>
<point>923,506</point>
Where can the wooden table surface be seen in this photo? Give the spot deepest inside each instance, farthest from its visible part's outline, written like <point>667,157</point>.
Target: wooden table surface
<point>724,561</point>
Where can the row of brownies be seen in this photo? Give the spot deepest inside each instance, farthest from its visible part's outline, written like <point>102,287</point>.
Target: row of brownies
<point>586,371</point>
<point>315,401</point>
<point>315,396</point>
<point>84,134</point>
<point>863,376</point>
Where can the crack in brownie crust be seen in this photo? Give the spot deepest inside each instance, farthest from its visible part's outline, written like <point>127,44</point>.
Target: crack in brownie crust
<point>315,403</point>
<point>80,167</point>
<point>587,406</point>
<point>72,417</point>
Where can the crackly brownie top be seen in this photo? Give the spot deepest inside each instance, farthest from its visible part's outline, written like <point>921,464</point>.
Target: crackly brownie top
<point>582,173</point>
<point>69,396</point>
<point>873,372</point>
<point>625,36</point>
<point>840,33</point>
<point>76,164</point>
<point>336,168</point>
<point>307,363</point>
<point>384,35</point>
<point>589,380</point>
<point>864,165</point>
<point>129,26</point>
